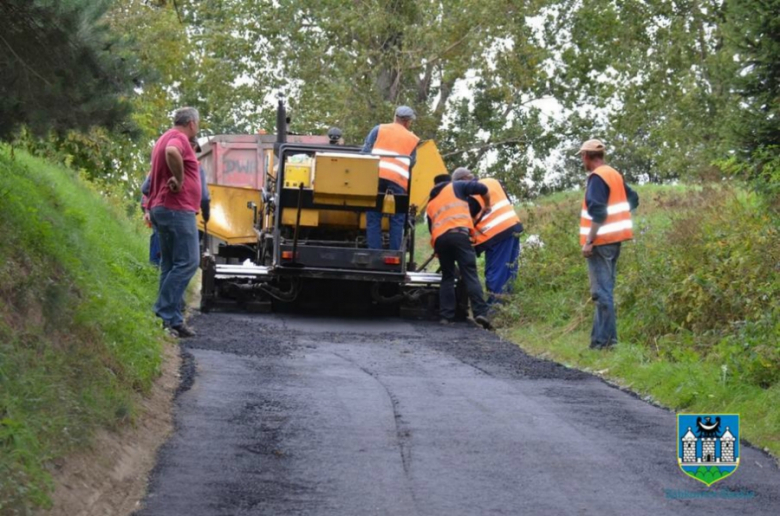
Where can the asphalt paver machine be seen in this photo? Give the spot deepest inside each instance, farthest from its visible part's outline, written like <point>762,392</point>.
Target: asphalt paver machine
<point>289,222</point>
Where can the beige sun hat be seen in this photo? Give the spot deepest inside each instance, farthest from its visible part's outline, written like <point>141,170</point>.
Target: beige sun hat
<point>591,146</point>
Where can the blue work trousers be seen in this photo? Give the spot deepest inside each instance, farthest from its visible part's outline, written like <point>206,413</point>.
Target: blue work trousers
<point>374,222</point>
<point>501,262</point>
<point>180,257</point>
<point>602,266</point>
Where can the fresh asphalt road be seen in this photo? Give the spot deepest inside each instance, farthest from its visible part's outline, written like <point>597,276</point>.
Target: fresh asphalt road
<point>286,414</point>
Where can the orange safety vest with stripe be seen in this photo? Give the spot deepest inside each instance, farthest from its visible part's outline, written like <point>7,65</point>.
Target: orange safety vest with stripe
<point>446,211</point>
<point>617,226</point>
<point>502,214</point>
<point>393,139</point>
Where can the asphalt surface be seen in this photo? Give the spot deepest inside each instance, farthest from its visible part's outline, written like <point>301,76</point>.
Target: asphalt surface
<point>286,414</point>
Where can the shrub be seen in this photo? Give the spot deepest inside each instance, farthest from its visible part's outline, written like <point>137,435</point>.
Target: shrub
<point>699,282</point>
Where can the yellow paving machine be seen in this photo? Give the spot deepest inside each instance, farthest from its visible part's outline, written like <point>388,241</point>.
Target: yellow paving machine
<point>288,218</point>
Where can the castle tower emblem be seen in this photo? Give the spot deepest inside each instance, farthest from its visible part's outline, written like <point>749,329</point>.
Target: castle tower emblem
<point>708,449</point>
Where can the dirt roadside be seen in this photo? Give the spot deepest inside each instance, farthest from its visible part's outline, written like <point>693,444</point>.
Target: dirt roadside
<point>111,478</point>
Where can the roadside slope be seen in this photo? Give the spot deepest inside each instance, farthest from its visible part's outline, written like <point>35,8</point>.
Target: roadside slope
<point>696,296</point>
<point>78,343</point>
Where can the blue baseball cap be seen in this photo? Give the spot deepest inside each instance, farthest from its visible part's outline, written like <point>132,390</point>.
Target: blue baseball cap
<point>405,112</point>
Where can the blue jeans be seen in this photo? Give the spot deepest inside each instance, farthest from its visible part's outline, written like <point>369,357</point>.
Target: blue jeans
<point>154,249</point>
<point>374,221</point>
<point>602,266</point>
<point>501,262</point>
<point>180,257</point>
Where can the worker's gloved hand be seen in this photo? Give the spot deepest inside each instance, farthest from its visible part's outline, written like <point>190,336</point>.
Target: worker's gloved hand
<point>206,211</point>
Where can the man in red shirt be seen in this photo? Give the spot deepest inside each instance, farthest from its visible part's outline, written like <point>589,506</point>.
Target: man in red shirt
<point>174,199</point>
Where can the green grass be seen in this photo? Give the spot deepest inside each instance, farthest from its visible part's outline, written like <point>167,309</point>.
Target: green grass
<point>696,296</point>
<point>77,337</point>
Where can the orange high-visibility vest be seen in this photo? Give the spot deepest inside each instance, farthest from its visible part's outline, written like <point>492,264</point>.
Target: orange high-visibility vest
<point>617,227</point>
<point>392,139</point>
<point>502,215</point>
<point>447,212</point>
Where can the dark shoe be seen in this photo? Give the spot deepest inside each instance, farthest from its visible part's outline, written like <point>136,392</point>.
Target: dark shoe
<point>445,321</point>
<point>598,346</point>
<point>181,331</point>
<point>484,322</point>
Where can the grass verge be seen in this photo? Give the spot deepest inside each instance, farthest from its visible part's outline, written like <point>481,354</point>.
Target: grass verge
<point>77,338</point>
<point>696,296</point>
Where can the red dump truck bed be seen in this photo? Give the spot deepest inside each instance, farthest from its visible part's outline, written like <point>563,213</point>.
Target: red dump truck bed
<point>241,159</point>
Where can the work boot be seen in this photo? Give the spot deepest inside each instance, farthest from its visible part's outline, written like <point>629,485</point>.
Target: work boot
<point>181,331</point>
<point>484,322</point>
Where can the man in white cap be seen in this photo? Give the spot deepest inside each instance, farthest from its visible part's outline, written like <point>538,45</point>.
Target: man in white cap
<point>605,222</point>
<point>393,142</point>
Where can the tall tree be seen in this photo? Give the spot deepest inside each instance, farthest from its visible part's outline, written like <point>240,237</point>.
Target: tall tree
<point>660,71</point>
<point>60,68</point>
<point>754,34</point>
<point>471,73</point>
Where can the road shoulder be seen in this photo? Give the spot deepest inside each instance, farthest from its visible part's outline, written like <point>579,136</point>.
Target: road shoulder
<point>112,477</point>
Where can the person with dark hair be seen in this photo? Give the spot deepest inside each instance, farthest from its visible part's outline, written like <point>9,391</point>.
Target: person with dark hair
<point>496,234</point>
<point>174,199</point>
<point>605,222</point>
<point>392,142</point>
<point>452,228</point>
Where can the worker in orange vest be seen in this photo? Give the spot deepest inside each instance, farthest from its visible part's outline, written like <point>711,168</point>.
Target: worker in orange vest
<point>496,234</point>
<point>396,145</point>
<point>605,222</point>
<point>452,230</point>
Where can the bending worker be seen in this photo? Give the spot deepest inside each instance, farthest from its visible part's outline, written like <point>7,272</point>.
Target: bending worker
<point>451,227</point>
<point>389,141</point>
<point>497,234</point>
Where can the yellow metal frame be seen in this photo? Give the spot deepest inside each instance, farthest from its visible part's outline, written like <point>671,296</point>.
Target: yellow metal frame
<point>345,179</point>
<point>231,220</point>
<point>429,165</point>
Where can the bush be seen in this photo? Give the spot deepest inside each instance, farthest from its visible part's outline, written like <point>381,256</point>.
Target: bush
<point>699,282</point>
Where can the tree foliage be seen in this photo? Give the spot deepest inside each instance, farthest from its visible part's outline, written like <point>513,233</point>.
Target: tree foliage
<point>661,72</point>
<point>61,68</point>
<point>505,87</point>
<point>471,75</point>
<point>754,30</point>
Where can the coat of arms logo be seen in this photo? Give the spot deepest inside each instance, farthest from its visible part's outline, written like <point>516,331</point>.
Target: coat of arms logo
<point>708,445</point>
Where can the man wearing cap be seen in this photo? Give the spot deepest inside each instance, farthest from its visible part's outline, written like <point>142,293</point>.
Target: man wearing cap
<point>605,222</point>
<point>393,143</point>
<point>452,228</point>
<point>496,233</point>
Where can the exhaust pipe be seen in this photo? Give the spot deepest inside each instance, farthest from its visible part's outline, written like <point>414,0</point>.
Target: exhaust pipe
<point>281,126</point>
